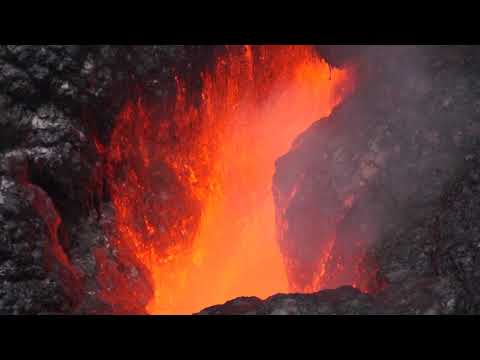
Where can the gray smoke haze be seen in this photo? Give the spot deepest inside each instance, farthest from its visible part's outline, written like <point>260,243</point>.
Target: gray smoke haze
<point>383,157</point>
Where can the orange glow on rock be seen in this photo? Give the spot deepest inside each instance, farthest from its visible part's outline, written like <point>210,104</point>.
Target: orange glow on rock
<point>193,190</point>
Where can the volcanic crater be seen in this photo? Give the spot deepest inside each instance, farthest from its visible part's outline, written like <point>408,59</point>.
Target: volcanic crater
<point>272,179</point>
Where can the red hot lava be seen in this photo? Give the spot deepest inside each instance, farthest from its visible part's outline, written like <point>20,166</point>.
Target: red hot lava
<point>193,190</point>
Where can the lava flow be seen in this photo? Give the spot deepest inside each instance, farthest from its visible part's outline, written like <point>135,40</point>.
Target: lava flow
<point>193,190</point>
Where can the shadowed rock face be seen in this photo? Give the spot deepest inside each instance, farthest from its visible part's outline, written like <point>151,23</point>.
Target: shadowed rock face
<point>58,104</point>
<point>430,266</point>
<point>436,258</point>
<point>45,158</point>
<point>381,160</point>
<point>26,286</point>
<point>395,168</point>
<point>344,300</point>
<point>57,107</point>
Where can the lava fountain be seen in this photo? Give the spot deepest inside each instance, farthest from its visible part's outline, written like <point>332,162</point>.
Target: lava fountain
<point>192,190</point>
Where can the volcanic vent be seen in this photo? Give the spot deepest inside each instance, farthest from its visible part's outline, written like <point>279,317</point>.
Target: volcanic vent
<point>253,171</point>
<point>191,183</point>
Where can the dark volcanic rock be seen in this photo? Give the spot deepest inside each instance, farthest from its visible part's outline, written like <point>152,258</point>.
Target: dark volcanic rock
<point>345,300</point>
<point>394,171</point>
<point>438,255</point>
<point>429,266</point>
<point>383,158</point>
<point>57,103</point>
<point>396,166</point>
<point>26,285</point>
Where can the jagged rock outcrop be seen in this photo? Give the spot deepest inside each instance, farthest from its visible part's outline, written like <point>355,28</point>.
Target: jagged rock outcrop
<point>344,300</point>
<point>25,284</point>
<point>437,256</point>
<point>381,160</point>
<point>429,265</point>
<point>394,169</point>
<point>57,106</point>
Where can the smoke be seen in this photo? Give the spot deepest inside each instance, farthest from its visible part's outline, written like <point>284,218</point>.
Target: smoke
<point>381,158</point>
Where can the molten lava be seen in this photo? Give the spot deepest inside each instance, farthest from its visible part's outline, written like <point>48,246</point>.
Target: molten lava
<point>193,190</point>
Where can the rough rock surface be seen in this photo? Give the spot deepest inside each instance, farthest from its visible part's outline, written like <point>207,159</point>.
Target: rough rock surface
<point>438,256</point>
<point>382,159</point>
<point>430,267</point>
<point>397,163</point>
<point>57,106</point>
<point>393,171</point>
<point>344,300</point>
<point>25,284</point>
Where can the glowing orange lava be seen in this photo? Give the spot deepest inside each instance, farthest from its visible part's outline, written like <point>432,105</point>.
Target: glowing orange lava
<point>209,234</point>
